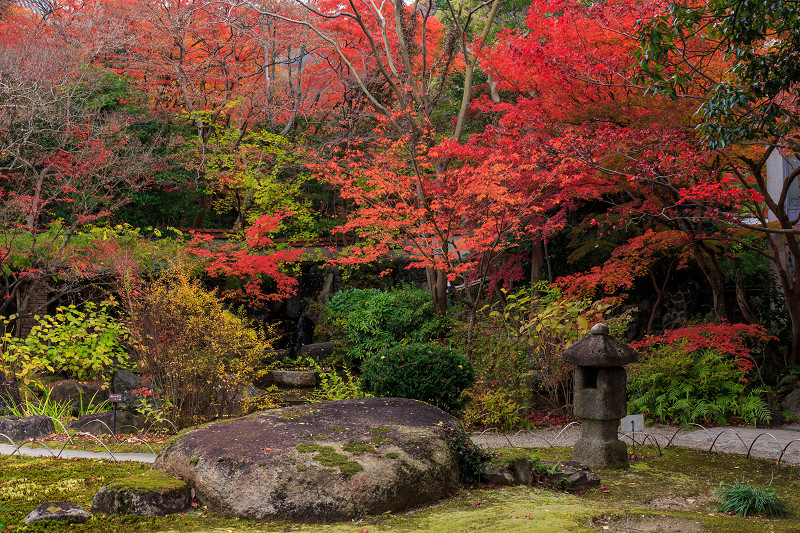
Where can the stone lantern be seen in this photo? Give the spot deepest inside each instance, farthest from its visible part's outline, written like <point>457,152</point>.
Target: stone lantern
<point>600,399</point>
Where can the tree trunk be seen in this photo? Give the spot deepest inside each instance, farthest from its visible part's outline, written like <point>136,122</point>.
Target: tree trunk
<point>537,262</point>
<point>204,207</point>
<point>784,267</point>
<point>715,279</point>
<point>660,292</point>
<point>741,299</point>
<point>793,306</point>
<point>437,286</point>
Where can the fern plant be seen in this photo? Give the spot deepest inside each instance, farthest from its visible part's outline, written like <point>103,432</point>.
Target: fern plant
<point>332,386</point>
<point>678,386</point>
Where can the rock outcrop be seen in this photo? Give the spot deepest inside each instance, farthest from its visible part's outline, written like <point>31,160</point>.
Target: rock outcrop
<point>20,429</point>
<point>321,462</point>
<point>103,423</point>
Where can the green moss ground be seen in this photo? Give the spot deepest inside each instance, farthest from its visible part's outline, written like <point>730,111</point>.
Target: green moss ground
<point>680,475</point>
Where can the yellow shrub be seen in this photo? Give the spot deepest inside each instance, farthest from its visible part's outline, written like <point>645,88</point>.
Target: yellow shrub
<point>198,356</point>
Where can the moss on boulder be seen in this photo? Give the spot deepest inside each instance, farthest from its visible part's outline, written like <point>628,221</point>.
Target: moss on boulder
<point>151,493</point>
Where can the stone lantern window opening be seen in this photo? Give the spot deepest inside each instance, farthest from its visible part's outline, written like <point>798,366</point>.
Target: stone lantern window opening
<point>589,375</point>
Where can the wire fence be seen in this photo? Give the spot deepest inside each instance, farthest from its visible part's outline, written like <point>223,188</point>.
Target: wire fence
<point>643,437</point>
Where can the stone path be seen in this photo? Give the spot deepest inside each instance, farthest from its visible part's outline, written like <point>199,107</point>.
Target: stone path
<point>8,449</point>
<point>765,443</point>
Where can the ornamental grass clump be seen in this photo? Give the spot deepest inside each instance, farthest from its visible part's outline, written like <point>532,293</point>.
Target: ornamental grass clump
<point>742,499</point>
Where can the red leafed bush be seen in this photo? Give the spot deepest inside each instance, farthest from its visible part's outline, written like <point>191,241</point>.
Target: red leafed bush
<point>736,340</point>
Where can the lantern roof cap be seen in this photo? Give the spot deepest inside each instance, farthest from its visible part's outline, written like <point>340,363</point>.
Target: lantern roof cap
<point>599,349</point>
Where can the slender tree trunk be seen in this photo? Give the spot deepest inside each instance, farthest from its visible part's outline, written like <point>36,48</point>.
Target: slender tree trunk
<point>537,262</point>
<point>660,292</point>
<point>794,313</point>
<point>547,260</point>
<point>33,214</point>
<point>715,280</point>
<point>741,299</point>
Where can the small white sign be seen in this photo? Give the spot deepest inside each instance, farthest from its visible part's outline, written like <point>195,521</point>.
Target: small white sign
<point>632,423</point>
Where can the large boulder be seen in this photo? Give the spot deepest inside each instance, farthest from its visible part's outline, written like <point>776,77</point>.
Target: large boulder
<point>20,429</point>
<point>319,351</point>
<point>322,462</point>
<point>125,382</point>
<point>77,393</point>
<point>792,403</point>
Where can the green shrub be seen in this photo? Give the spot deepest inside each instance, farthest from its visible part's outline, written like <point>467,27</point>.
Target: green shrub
<point>541,323</point>
<point>471,457</point>
<point>333,386</point>
<point>680,386</point>
<point>490,408</point>
<point>742,499</point>
<point>77,343</point>
<point>420,371</point>
<point>501,372</point>
<point>367,320</point>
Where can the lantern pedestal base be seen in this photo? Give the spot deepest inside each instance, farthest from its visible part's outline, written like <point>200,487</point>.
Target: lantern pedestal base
<point>599,446</point>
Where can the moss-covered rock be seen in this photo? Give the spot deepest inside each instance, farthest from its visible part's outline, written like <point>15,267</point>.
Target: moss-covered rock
<point>63,512</point>
<point>152,493</point>
<point>320,464</point>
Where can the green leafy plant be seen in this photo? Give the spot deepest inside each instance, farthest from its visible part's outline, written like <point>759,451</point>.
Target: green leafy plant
<point>680,386</point>
<point>742,499</point>
<point>502,375</point>
<point>333,386</point>
<point>541,322</point>
<point>471,457</point>
<point>367,320</point>
<point>298,362</point>
<point>491,408</point>
<point>426,372</point>
<point>157,414</point>
<point>77,343</point>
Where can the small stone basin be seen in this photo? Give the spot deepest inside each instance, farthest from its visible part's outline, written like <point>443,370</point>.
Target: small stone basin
<point>295,378</point>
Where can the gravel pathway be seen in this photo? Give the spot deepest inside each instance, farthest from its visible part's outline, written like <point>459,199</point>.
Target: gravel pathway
<point>765,443</point>
<point>8,449</point>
